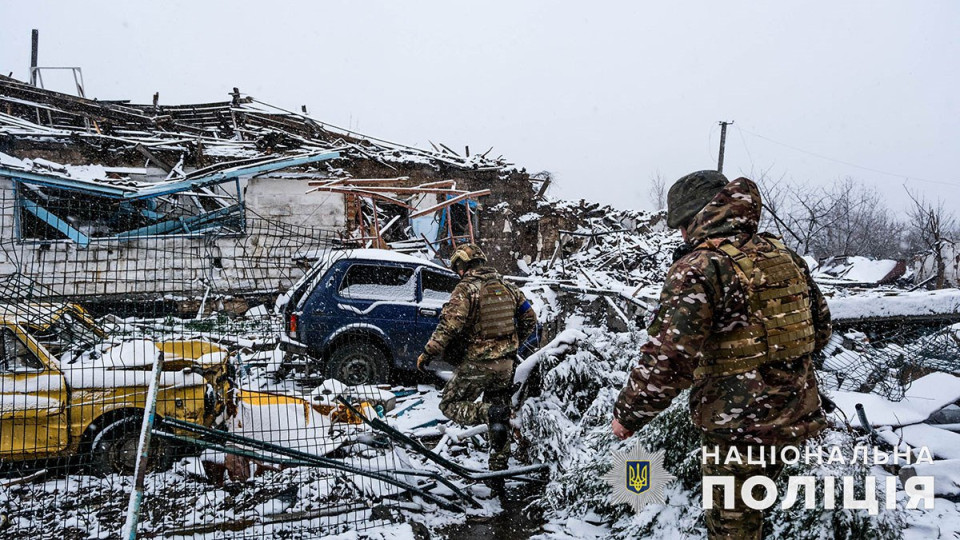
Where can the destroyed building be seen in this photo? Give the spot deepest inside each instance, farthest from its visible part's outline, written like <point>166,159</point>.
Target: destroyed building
<point>236,197</point>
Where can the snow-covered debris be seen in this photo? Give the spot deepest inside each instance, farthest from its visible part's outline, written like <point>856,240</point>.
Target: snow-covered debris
<point>859,271</point>
<point>945,473</point>
<point>925,396</point>
<point>330,389</point>
<point>289,423</point>
<point>942,444</point>
<point>944,303</point>
<point>257,311</point>
<point>560,345</point>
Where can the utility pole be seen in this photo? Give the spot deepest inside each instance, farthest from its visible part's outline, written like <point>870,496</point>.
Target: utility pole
<point>34,49</point>
<point>723,143</point>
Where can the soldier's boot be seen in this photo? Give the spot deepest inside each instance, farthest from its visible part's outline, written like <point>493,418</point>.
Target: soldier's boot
<point>498,417</point>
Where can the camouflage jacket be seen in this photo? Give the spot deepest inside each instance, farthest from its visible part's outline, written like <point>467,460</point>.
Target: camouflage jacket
<point>457,334</point>
<point>775,403</point>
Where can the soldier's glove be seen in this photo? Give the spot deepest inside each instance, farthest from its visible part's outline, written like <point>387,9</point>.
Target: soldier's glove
<point>423,361</point>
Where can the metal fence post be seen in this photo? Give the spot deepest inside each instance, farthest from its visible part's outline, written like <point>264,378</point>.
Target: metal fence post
<point>143,452</point>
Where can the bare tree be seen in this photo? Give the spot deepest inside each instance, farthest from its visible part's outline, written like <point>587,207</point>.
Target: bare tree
<point>930,225</point>
<point>856,224</point>
<point>658,191</point>
<point>779,213</point>
<point>847,218</point>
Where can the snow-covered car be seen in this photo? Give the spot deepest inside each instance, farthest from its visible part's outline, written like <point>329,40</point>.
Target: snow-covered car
<point>362,313</point>
<point>88,398</point>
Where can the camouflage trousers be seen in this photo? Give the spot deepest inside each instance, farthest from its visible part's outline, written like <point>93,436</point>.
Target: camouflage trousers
<point>740,522</point>
<point>493,379</point>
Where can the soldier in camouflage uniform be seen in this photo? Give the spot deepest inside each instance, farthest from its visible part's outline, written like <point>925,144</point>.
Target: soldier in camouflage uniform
<point>487,319</point>
<point>739,320</point>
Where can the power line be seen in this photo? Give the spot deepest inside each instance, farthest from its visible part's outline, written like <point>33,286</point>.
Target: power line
<point>744,141</point>
<point>871,169</point>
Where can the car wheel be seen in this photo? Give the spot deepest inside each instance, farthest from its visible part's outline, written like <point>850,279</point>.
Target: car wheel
<point>114,449</point>
<point>358,363</point>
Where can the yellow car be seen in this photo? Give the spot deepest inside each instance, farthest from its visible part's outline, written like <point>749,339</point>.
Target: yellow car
<point>66,391</point>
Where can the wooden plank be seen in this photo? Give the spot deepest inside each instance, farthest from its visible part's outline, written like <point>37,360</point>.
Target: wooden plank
<point>438,183</point>
<point>153,157</point>
<point>543,189</point>
<point>398,190</point>
<point>448,202</point>
<point>361,193</point>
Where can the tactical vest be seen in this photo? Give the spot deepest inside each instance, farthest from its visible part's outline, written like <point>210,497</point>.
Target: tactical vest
<point>780,322</point>
<point>495,317</point>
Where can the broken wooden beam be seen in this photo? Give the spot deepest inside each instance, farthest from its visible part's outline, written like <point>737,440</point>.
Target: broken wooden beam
<point>543,189</point>
<point>154,158</point>
<point>449,202</point>
<point>361,193</point>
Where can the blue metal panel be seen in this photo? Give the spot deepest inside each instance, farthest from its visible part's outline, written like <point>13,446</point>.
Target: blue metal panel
<point>222,176</point>
<point>64,183</point>
<point>165,188</point>
<point>185,225</point>
<point>55,222</point>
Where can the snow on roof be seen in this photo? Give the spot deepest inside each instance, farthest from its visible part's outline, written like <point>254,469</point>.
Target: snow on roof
<point>326,258</point>
<point>94,178</point>
<point>887,305</point>
<point>390,256</point>
<point>267,129</point>
<point>859,270</point>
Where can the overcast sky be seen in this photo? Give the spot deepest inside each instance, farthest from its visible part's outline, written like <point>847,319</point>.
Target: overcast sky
<point>603,94</point>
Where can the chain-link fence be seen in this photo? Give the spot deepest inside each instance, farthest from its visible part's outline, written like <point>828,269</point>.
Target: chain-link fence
<point>888,362</point>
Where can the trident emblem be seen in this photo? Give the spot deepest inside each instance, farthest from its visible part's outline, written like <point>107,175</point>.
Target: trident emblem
<point>638,476</point>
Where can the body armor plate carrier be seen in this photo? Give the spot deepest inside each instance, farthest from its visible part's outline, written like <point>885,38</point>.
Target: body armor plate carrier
<point>497,310</point>
<point>780,325</point>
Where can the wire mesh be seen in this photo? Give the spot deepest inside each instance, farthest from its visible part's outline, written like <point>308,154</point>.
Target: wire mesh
<point>95,291</point>
<point>888,363</point>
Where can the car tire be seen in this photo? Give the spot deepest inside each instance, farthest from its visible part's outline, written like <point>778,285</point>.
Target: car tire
<point>358,363</point>
<point>114,449</point>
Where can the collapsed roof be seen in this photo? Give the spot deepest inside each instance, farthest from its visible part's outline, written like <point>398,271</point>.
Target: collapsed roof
<point>205,132</point>
<point>170,169</point>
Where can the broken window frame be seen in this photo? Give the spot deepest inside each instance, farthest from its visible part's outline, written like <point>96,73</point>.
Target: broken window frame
<point>235,212</point>
<point>211,176</point>
<point>379,270</point>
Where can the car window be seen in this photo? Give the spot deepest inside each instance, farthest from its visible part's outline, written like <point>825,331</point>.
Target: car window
<point>17,358</point>
<point>69,332</point>
<point>437,286</point>
<point>371,282</point>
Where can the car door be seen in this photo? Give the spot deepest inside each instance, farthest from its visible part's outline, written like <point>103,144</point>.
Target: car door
<point>433,291</point>
<point>33,398</point>
<point>383,295</point>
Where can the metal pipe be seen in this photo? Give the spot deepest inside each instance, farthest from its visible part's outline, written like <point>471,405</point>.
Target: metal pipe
<point>320,461</point>
<point>143,451</point>
<point>34,51</point>
<point>465,472</point>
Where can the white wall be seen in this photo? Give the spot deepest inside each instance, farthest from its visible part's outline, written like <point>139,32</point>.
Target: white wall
<point>281,223</point>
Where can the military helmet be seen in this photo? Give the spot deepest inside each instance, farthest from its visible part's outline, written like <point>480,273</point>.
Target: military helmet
<point>466,254</point>
<point>688,195</point>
